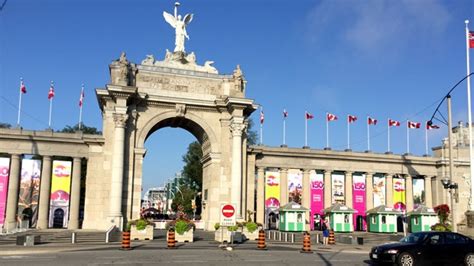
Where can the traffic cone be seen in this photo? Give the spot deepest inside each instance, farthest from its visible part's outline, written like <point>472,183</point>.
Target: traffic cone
<point>261,240</point>
<point>331,239</point>
<point>126,241</point>
<point>306,243</point>
<point>171,239</point>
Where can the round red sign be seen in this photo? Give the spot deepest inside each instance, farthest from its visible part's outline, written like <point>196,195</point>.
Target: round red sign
<point>228,211</point>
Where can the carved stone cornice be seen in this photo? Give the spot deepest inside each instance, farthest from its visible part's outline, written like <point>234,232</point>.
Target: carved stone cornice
<point>120,120</point>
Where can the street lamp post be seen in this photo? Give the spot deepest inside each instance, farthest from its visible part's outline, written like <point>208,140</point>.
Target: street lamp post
<point>452,187</point>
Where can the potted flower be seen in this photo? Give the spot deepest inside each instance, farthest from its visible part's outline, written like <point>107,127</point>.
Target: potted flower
<point>183,227</point>
<point>141,229</point>
<point>225,233</point>
<point>250,228</point>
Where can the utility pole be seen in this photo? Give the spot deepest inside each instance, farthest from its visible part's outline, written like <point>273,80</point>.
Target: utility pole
<point>451,173</point>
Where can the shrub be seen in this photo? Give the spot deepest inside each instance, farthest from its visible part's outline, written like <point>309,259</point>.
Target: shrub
<point>140,224</point>
<point>251,226</point>
<point>180,225</point>
<point>441,227</point>
<point>217,226</point>
<point>233,228</point>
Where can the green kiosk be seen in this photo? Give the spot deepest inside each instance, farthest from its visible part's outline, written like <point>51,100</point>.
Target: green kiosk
<point>421,219</point>
<point>340,218</point>
<point>382,219</point>
<point>292,217</point>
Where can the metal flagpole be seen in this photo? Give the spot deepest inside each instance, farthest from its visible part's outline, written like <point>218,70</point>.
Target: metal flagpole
<point>50,109</point>
<point>348,133</point>
<point>388,136</point>
<point>408,137</point>
<point>19,103</point>
<point>426,138</point>
<point>81,99</point>
<point>469,118</point>
<point>261,133</point>
<point>368,134</point>
<point>306,129</point>
<point>327,131</point>
<point>284,130</point>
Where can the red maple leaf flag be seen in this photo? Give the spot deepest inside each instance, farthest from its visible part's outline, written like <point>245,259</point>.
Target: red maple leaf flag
<point>411,124</point>
<point>262,117</point>
<point>81,98</point>
<point>371,121</point>
<point>285,113</point>
<point>471,39</point>
<point>331,117</point>
<point>393,123</point>
<point>309,116</point>
<point>51,92</point>
<point>428,126</point>
<point>22,87</point>
<point>351,118</point>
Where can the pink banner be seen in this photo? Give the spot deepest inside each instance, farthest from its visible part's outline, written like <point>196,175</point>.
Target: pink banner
<point>358,201</point>
<point>4,174</point>
<point>317,196</point>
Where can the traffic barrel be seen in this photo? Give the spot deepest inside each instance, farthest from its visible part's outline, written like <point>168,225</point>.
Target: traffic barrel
<point>331,239</point>
<point>306,243</point>
<point>261,240</point>
<point>126,241</point>
<point>171,239</point>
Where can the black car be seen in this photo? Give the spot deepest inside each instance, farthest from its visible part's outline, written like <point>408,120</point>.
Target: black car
<point>425,248</point>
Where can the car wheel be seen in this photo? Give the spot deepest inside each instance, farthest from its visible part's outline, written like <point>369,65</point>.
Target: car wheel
<point>469,259</point>
<point>406,259</point>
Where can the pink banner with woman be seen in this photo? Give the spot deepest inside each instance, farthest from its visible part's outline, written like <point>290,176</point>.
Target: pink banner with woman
<point>358,201</point>
<point>4,175</point>
<point>317,196</point>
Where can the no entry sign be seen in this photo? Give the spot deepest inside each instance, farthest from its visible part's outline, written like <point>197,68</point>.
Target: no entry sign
<point>227,215</point>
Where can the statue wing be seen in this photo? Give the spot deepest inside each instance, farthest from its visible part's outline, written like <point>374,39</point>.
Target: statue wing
<point>188,18</point>
<point>170,19</point>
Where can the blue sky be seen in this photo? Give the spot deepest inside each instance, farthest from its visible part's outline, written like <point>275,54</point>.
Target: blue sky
<point>387,59</point>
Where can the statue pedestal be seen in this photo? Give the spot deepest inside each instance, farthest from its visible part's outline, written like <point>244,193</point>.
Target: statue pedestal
<point>470,219</point>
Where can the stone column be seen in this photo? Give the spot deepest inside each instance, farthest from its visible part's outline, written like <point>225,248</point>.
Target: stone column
<point>306,196</point>
<point>428,193</point>
<point>348,189</point>
<point>389,190</point>
<point>237,128</point>
<point>45,191</point>
<point>369,190</point>
<point>115,211</point>
<point>13,187</point>
<point>409,192</point>
<point>327,189</point>
<point>261,195</point>
<point>75,194</point>
<point>283,187</point>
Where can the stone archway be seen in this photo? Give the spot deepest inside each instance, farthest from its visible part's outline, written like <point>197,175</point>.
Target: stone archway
<point>142,98</point>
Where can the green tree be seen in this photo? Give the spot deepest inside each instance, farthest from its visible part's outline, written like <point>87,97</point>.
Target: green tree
<point>251,133</point>
<point>85,129</point>
<point>192,170</point>
<point>5,125</point>
<point>183,197</point>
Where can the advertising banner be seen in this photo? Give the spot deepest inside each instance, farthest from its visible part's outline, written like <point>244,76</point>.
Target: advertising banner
<point>28,195</point>
<point>337,186</point>
<point>272,190</point>
<point>358,200</point>
<point>418,192</point>
<point>295,187</point>
<point>4,175</point>
<point>60,189</point>
<point>399,200</point>
<point>317,197</point>
<point>379,190</point>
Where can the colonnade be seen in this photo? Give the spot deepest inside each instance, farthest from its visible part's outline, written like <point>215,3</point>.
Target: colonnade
<point>44,193</point>
<point>348,192</point>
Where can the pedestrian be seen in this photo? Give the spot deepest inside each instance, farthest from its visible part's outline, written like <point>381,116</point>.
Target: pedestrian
<point>325,228</point>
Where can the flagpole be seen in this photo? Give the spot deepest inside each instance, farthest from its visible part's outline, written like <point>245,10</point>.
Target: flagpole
<point>327,131</point>
<point>284,130</point>
<point>408,138</point>
<point>50,109</point>
<point>348,134</point>
<point>388,136</point>
<point>261,133</point>
<point>426,138</point>
<point>306,129</point>
<point>19,104</point>
<point>368,135</point>
<point>80,109</point>
<point>471,153</point>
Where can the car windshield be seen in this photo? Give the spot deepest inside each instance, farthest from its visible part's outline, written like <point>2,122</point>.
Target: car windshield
<point>413,238</point>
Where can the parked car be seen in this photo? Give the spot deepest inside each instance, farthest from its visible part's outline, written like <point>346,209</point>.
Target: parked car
<point>425,248</point>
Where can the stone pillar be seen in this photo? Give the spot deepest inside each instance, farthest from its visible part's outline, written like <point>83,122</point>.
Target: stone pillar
<point>283,187</point>
<point>428,193</point>
<point>306,200</point>
<point>75,194</point>
<point>389,190</point>
<point>251,185</point>
<point>327,189</point>
<point>115,211</point>
<point>348,189</point>
<point>409,192</point>
<point>45,191</point>
<point>369,190</point>
<point>13,187</point>
<point>261,195</point>
<point>236,172</point>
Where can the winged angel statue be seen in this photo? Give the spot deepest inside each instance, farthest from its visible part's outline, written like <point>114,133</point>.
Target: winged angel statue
<point>179,26</point>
